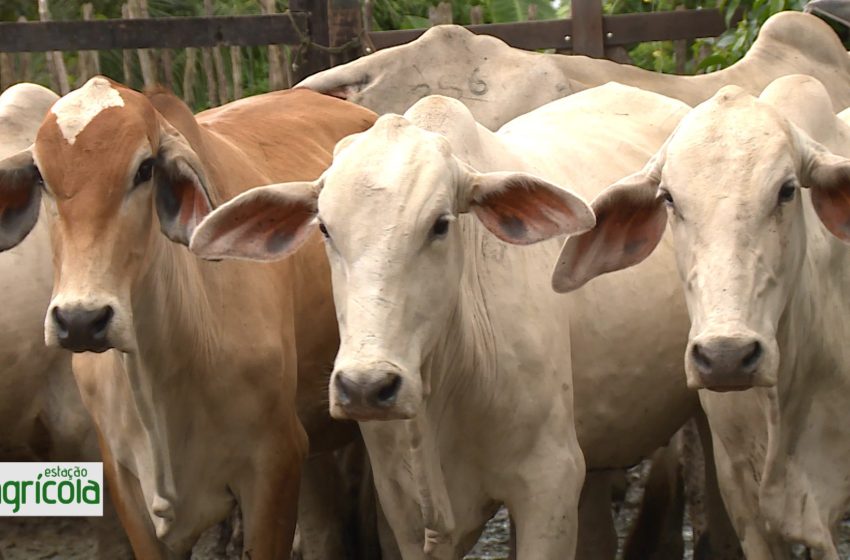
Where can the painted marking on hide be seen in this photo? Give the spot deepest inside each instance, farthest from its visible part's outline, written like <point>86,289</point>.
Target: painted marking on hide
<point>76,110</point>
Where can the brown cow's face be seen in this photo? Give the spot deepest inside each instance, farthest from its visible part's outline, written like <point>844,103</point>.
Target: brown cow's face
<point>108,168</point>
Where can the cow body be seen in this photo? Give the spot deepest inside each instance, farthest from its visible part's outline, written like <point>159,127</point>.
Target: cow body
<point>499,83</point>
<point>27,279</point>
<point>178,360</point>
<point>762,263</point>
<point>495,423</point>
<point>41,412</point>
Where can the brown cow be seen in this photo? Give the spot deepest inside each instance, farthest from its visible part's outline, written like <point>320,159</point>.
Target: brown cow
<point>188,368</point>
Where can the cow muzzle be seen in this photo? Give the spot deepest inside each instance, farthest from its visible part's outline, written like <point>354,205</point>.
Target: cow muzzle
<point>86,325</point>
<point>374,393</point>
<point>82,329</point>
<point>733,362</point>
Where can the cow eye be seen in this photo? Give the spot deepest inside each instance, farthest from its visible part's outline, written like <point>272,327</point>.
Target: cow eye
<point>666,197</point>
<point>324,230</point>
<point>440,227</point>
<point>787,192</point>
<point>144,173</point>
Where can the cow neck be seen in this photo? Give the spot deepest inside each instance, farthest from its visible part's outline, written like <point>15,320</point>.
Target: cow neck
<point>459,366</point>
<point>175,334</point>
<point>175,327</point>
<point>809,366</point>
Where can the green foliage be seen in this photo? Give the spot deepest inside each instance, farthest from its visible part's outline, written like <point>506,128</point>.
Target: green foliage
<point>703,55</point>
<point>734,43</point>
<point>412,14</point>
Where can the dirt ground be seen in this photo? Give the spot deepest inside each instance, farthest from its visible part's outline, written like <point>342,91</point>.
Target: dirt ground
<point>73,539</point>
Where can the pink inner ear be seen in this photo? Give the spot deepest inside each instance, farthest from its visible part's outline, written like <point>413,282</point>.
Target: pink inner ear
<point>833,207</point>
<point>524,214</point>
<point>627,231</point>
<point>256,228</point>
<point>193,204</point>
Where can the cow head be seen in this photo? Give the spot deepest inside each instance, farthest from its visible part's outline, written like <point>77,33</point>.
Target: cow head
<point>108,168</point>
<point>392,209</point>
<point>728,182</point>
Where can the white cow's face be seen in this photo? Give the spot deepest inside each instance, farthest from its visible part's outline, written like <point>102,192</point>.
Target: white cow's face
<point>730,186</point>
<point>389,214</point>
<point>728,182</point>
<point>389,208</point>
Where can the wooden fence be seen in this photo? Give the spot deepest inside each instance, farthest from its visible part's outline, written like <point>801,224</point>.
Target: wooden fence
<point>322,33</point>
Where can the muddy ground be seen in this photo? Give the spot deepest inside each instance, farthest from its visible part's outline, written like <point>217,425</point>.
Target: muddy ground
<point>72,539</point>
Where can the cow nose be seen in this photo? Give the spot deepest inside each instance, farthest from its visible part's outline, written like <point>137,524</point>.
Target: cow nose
<point>83,330</point>
<point>727,363</point>
<point>379,394</point>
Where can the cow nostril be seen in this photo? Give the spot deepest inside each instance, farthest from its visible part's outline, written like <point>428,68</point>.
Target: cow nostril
<point>343,387</point>
<point>388,393</point>
<point>753,357</point>
<point>702,361</point>
<point>101,321</point>
<point>61,323</point>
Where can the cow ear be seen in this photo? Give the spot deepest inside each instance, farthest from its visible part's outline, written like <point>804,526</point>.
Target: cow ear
<point>630,221</point>
<point>20,198</point>
<point>262,224</point>
<point>182,196</point>
<point>828,176</point>
<point>342,82</point>
<point>520,208</point>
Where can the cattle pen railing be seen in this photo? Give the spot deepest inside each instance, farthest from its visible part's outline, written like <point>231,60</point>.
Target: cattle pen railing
<point>328,32</point>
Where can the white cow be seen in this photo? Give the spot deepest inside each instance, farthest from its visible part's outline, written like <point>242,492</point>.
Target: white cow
<point>498,82</point>
<point>453,337</point>
<point>41,413</point>
<point>757,193</point>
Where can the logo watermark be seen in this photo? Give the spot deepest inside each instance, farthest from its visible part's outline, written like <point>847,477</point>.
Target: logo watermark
<point>51,489</point>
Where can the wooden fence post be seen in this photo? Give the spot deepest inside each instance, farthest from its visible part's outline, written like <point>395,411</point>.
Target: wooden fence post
<point>236,70</point>
<point>25,60</point>
<point>440,14</point>
<point>680,49</point>
<point>93,62</point>
<point>138,9</point>
<point>313,60</point>
<point>276,60</point>
<point>218,61</point>
<point>55,63</point>
<point>209,69</point>
<point>126,56</point>
<point>345,24</point>
<point>7,71</point>
<point>189,76</point>
<point>587,36</point>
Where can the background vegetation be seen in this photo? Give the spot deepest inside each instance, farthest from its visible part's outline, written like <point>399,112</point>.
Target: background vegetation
<point>699,56</point>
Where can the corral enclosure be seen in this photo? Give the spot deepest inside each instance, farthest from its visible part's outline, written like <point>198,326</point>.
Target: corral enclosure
<point>260,46</point>
<point>207,58</point>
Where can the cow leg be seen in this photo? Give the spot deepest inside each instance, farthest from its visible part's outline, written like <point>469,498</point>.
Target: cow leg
<point>544,501</point>
<point>597,537</point>
<point>129,502</point>
<point>389,546</point>
<point>657,532</point>
<point>320,511</point>
<point>268,496</point>
<point>719,542</point>
<point>112,543</point>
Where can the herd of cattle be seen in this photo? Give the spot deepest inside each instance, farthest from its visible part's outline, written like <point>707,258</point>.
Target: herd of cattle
<point>416,278</point>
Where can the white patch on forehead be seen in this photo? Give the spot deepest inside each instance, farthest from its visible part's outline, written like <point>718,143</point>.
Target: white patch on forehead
<point>77,109</point>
